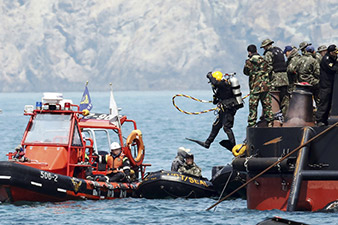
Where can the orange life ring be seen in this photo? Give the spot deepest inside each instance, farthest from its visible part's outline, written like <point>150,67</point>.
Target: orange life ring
<point>135,137</point>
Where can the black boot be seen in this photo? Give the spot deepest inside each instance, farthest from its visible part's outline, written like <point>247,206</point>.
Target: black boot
<point>205,144</point>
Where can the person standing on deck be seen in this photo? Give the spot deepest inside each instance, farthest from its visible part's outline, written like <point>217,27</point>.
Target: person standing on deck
<point>259,83</point>
<point>277,71</point>
<point>328,71</point>
<point>293,57</point>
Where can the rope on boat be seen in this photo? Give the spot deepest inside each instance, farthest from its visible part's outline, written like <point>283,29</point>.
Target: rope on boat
<point>274,164</point>
<point>225,185</point>
<point>176,196</point>
<point>198,100</point>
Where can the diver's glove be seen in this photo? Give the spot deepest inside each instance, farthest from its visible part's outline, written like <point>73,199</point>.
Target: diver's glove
<point>209,75</point>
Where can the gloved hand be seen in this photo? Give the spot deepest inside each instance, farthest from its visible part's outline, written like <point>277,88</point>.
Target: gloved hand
<point>209,75</point>
<point>214,100</point>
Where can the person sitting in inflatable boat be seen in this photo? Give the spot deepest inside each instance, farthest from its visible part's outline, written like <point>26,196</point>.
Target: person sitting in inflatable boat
<point>180,158</point>
<point>189,167</point>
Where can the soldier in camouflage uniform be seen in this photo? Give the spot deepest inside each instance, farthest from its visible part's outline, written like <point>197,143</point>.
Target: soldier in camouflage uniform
<point>190,168</point>
<point>293,57</point>
<point>277,72</point>
<point>321,52</point>
<point>259,82</point>
<point>302,46</point>
<point>308,70</point>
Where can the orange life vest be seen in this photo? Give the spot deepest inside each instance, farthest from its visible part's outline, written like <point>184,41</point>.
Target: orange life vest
<point>115,163</point>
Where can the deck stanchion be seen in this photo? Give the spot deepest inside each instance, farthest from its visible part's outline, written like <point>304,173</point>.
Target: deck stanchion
<point>297,175</point>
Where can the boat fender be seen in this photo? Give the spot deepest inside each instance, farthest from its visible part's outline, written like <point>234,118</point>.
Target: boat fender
<point>236,90</point>
<point>238,149</point>
<point>135,136</point>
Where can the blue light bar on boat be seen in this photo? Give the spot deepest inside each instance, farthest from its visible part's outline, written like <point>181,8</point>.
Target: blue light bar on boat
<point>38,105</point>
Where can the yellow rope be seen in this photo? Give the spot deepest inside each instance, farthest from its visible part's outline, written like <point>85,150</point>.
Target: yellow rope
<point>198,100</point>
<point>195,99</point>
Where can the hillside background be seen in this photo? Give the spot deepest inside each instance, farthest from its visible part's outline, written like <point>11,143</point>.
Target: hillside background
<point>57,45</point>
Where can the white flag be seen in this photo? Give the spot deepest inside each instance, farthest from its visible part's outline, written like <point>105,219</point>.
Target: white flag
<point>112,106</point>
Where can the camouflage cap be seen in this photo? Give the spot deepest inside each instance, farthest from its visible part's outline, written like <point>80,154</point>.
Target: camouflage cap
<point>266,42</point>
<point>322,48</point>
<point>303,45</point>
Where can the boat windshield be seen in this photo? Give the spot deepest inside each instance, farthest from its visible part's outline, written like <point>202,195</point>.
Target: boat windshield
<point>49,128</point>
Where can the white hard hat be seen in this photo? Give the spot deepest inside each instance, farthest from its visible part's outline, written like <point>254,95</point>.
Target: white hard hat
<point>115,145</point>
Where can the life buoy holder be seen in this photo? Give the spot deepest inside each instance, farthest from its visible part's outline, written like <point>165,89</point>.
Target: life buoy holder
<point>238,149</point>
<point>135,137</point>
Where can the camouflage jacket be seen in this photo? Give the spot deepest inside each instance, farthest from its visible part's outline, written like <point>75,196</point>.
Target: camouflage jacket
<point>190,169</point>
<point>308,69</point>
<point>292,62</point>
<point>278,79</point>
<point>256,68</point>
<point>318,57</point>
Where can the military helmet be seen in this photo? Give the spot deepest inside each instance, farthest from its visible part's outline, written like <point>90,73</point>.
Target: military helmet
<point>303,45</point>
<point>217,75</point>
<point>266,42</point>
<point>322,48</point>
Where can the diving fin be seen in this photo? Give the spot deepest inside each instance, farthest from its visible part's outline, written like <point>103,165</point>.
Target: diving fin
<point>226,144</point>
<point>201,143</point>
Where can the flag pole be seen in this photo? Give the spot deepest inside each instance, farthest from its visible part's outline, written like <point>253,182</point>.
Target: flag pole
<point>87,83</point>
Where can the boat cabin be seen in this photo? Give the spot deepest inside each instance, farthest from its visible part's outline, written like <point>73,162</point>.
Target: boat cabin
<point>63,140</point>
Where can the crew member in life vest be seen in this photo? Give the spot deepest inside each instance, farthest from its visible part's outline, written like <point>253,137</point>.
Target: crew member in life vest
<point>118,164</point>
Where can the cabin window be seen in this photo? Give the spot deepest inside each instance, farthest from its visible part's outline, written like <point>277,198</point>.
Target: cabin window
<point>102,139</point>
<point>49,128</point>
<point>76,136</point>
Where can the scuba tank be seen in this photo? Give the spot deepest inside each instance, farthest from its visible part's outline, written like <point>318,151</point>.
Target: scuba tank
<point>236,89</point>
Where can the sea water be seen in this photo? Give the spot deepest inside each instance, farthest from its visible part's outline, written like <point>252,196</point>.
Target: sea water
<point>164,130</point>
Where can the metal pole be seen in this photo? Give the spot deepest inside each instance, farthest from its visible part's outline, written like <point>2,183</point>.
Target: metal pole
<point>297,175</point>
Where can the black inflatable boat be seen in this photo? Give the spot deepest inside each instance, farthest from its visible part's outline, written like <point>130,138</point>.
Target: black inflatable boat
<point>226,179</point>
<point>169,184</point>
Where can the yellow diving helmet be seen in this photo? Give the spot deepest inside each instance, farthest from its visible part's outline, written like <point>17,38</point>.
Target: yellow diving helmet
<point>217,75</point>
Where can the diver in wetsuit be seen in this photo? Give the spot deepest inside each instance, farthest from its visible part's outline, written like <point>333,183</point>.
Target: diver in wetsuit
<point>227,104</point>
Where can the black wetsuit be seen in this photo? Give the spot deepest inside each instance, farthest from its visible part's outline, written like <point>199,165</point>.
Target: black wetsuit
<point>225,99</point>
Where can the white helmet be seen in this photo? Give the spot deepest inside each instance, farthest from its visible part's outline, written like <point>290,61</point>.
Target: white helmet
<point>114,146</point>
